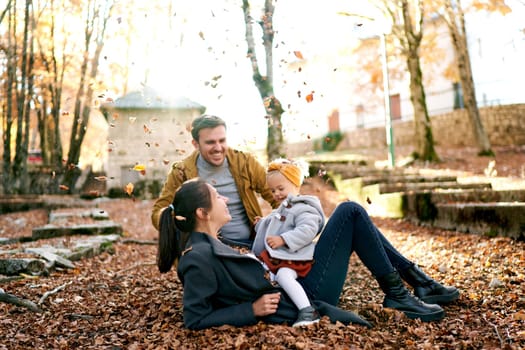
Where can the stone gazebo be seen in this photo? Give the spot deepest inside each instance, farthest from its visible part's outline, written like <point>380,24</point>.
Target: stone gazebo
<point>147,133</point>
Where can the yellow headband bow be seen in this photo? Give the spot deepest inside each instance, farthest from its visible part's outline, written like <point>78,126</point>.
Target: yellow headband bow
<point>289,170</point>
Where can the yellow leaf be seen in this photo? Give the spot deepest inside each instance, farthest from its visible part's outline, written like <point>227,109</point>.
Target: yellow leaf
<point>139,167</point>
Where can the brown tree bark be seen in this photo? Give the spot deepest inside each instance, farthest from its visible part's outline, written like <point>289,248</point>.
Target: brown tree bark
<point>264,84</point>
<point>455,19</point>
<point>98,15</point>
<point>411,41</point>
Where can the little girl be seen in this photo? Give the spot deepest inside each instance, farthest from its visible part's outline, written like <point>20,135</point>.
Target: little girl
<point>284,238</point>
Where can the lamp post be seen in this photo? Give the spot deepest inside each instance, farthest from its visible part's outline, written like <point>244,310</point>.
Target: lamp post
<point>386,88</point>
<point>388,115</point>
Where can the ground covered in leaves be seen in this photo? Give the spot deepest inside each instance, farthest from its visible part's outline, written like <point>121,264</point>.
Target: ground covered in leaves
<point>118,300</point>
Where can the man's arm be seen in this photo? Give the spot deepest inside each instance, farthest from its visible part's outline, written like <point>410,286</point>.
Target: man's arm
<point>174,180</point>
<point>258,177</point>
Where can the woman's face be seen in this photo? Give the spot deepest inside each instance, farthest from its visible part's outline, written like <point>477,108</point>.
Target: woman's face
<point>219,212</point>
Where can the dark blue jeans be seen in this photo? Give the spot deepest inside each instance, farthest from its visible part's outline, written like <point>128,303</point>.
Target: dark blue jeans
<point>349,229</point>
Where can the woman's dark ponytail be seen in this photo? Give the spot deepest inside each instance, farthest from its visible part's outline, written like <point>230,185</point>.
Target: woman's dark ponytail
<point>178,220</point>
<point>169,241</point>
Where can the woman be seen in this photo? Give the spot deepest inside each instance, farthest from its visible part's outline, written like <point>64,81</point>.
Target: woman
<point>223,286</point>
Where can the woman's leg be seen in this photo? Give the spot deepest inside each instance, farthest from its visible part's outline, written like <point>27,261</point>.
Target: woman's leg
<point>349,229</point>
<point>396,258</point>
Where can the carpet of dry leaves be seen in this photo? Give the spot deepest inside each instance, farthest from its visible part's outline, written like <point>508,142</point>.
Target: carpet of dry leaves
<point>118,300</point>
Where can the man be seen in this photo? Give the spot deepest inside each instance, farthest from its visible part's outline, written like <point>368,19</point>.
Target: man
<point>235,174</point>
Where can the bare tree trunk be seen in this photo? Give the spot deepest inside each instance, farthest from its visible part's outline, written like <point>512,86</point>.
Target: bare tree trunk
<point>264,84</point>
<point>455,19</point>
<point>412,40</point>
<point>19,91</point>
<point>96,23</point>
<point>7,176</point>
<point>49,122</point>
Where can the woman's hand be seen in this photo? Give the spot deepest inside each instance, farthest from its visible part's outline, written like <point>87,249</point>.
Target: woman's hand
<point>266,304</point>
<point>275,242</point>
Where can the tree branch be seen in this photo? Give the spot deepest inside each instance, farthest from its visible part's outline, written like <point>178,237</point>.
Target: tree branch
<point>13,299</point>
<point>51,292</point>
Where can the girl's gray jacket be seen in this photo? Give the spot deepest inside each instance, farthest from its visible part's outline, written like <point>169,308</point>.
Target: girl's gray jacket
<point>297,220</point>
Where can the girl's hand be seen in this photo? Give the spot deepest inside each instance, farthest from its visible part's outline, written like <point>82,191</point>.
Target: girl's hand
<point>275,242</point>
<point>266,304</point>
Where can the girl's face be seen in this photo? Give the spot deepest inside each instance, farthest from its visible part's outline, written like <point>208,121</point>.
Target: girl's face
<point>219,212</point>
<point>280,186</point>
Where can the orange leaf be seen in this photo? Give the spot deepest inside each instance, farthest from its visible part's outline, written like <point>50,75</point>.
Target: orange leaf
<point>100,178</point>
<point>299,55</point>
<point>63,187</point>
<point>309,97</point>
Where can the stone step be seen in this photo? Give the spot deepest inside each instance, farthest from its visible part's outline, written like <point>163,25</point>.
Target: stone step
<point>492,219</point>
<point>100,228</point>
<point>348,170</point>
<point>421,206</point>
<point>420,186</point>
<point>406,178</point>
<point>16,203</point>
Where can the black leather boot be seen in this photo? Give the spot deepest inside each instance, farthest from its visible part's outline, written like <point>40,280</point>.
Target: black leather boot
<point>427,289</point>
<point>398,297</point>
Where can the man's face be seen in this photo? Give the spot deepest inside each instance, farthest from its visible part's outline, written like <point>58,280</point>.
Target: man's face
<point>212,144</point>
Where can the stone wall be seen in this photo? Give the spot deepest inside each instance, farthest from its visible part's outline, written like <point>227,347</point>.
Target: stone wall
<point>505,125</point>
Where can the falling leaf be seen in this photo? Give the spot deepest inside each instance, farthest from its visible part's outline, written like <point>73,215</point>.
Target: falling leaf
<point>309,97</point>
<point>129,189</point>
<point>141,168</point>
<point>165,161</point>
<point>65,113</point>
<point>298,54</point>
<point>180,218</point>
<point>368,200</point>
<point>201,34</point>
<point>132,119</point>
<point>100,178</point>
<point>63,187</point>
<point>115,116</point>
<point>146,129</point>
